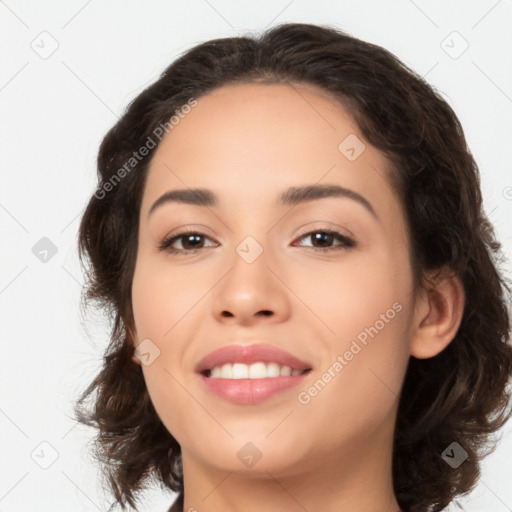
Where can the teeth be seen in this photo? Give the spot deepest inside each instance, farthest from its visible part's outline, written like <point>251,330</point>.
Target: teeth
<point>217,371</point>
<point>256,370</point>
<point>252,371</point>
<point>240,371</point>
<point>273,370</point>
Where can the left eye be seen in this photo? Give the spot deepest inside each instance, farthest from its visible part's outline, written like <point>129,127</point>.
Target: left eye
<point>326,237</point>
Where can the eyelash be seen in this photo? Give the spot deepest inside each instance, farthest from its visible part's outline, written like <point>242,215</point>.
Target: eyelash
<point>346,242</point>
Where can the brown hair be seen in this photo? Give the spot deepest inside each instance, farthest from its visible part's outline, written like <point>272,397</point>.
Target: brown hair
<point>458,396</point>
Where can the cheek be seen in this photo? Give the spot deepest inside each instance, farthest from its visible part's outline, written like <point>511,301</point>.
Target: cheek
<point>167,308</point>
<point>366,306</point>
<point>162,296</point>
<point>357,294</point>
<point>157,308</point>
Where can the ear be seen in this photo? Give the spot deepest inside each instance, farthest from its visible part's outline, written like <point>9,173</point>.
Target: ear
<point>437,315</point>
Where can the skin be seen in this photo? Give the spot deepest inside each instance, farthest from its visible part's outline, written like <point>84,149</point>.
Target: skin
<point>248,143</point>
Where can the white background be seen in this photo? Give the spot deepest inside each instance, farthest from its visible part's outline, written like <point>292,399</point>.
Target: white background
<point>55,111</point>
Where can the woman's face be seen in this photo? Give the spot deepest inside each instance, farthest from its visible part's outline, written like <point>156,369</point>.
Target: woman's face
<point>263,270</point>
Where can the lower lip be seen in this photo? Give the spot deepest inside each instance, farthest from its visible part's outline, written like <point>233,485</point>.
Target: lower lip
<point>250,391</point>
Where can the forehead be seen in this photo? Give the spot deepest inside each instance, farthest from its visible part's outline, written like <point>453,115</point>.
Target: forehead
<point>253,140</point>
<point>252,117</point>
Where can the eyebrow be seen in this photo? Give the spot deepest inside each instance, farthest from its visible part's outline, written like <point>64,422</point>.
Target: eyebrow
<point>290,197</point>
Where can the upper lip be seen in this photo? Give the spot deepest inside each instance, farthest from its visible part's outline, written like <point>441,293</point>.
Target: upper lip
<point>248,354</point>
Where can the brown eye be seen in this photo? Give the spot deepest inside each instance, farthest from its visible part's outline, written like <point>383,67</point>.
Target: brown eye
<point>189,241</point>
<point>323,240</point>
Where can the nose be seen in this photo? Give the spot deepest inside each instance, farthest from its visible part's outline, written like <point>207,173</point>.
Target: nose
<point>251,293</point>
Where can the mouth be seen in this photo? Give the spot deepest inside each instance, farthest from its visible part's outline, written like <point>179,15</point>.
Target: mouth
<point>248,375</point>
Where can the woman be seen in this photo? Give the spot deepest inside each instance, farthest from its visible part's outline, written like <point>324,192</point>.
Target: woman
<point>307,310</point>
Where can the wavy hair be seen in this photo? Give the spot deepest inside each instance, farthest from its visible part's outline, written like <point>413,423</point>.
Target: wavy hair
<point>460,395</point>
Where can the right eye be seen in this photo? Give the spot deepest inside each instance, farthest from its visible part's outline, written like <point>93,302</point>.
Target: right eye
<point>190,241</point>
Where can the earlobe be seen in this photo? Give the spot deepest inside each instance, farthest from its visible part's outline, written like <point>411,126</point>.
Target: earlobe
<point>437,316</point>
